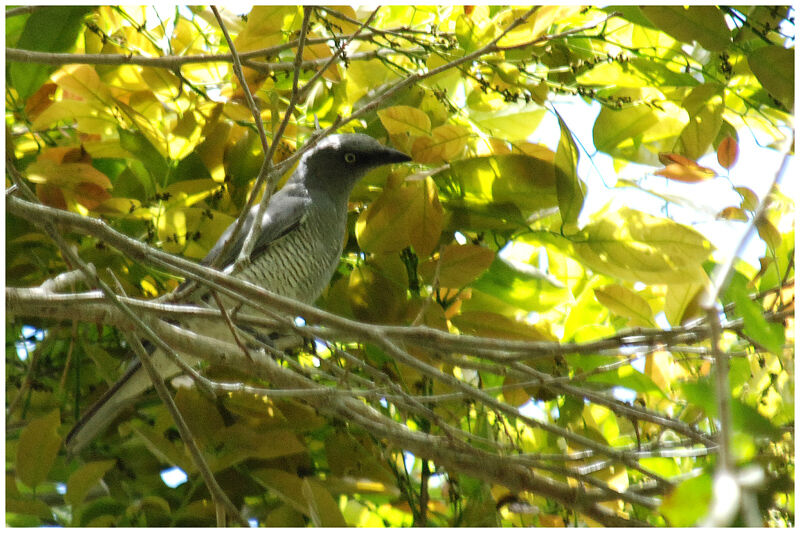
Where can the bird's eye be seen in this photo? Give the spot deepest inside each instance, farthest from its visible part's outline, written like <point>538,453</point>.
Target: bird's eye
<point>350,157</point>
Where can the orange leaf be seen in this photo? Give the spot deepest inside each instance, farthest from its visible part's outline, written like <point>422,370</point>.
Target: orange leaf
<point>732,213</point>
<point>728,152</point>
<point>40,100</point>
<point>51,195</point>
<point>686,174</point>
<point>90,195</point>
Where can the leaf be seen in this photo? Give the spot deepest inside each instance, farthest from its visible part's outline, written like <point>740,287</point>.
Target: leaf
<point>303,494</point>
<point>48,29</point>
<point>771,335</point>
<point>488,324</point>
<point>536,25</point>
<point>728,152</point>
<point>445,143</point>
<point>509,287</point>
<point>768,232</point>
<point>681,168</point>
<point>635,246</point>
<point>373,297</point>
<point>774,67</point>
<point>749,198</point>
<point>704,24</point>
<point>680,303</point>
<point>38,447</point>
<point>569,189</point>
<point>685,174</point>
<point>639,132</point>
<point>427,218</point>
<point>458,264</point>
<point>687,503</point>
<point>527,182</point>
<point>705,106</point>
<point>264,27</point>
<point>322,508</point>
<point>512,121</point>
<point>82,81</point>
<point>732,213</point>
<point>349,458</point>
<point>140,146</point>
<point>83,479</point>
<point>404,119</point>
<point>68,175</point>
<point>402,216</point>
<point>624,302</point>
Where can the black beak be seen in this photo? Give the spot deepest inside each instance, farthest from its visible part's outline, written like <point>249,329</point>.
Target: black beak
<point>390,155</point>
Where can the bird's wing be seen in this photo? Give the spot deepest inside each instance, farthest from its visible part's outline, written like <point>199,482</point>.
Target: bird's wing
<point>285,211</point>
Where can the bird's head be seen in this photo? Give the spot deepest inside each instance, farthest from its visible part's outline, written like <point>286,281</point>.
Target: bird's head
<point>337,162</point>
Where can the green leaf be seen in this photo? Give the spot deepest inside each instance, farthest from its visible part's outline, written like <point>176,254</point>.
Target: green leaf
<point>688,502</point>
<point>322,508</point>
<point>629,378</point>
<point>141,148</point>
<point>635,246</point>
<point>83,479</point>
<point>704,24</point>
<point>771,335</point>
<point>509,287</point>
<point>774,68</point>
<point>304,495</point>
<point>48,29</point>
<point>745,418</point>
<point>521,180</point>
<point>569,188</point>
<point>705,106</point>
<point>38,448</point>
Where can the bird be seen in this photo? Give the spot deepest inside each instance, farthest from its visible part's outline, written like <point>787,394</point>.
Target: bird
<point>300,240</point>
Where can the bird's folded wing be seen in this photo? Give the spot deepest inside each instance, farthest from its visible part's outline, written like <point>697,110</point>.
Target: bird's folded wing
<point>285,211</point>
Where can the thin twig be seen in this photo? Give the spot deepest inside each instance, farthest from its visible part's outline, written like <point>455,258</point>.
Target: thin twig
<point>91,274</point>
<point>265,173</point>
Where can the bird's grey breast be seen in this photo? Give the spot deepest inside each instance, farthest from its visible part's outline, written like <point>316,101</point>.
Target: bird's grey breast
<point>300,264</point>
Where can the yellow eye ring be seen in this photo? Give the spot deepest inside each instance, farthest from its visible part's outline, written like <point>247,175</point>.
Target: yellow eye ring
<point>350,157</point>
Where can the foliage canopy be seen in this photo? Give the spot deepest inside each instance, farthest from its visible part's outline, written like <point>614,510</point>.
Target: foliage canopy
<point>490,351</point>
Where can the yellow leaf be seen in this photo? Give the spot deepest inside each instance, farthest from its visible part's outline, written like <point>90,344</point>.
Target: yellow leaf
<point>680,302</point>
<point>402,216</point>
<point>624,302</point>
<point>488,324</point>
<point>264,27</point>
<point>445,143</point>
<point>459,264</point>
<point>426,218</point>
<point>536,25</point>
<point>67,175</point>
<point>82,81</point>
<point>405,119</point>
<point>635,246</point>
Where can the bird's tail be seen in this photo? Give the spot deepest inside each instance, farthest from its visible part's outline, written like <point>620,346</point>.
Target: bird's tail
<point>122,394</point>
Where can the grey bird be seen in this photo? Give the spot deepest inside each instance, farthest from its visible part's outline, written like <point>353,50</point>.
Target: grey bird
<point>300,240</point>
